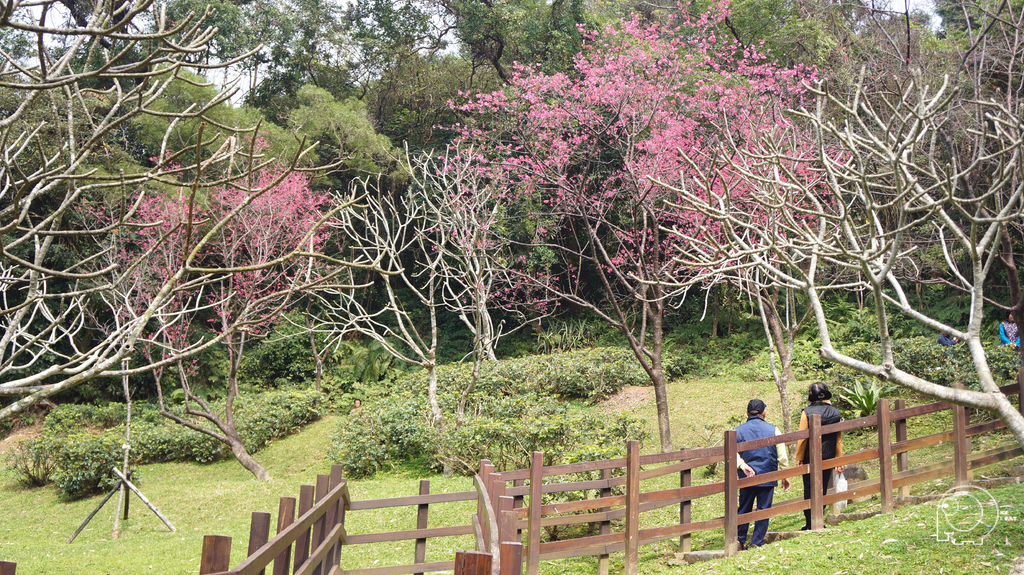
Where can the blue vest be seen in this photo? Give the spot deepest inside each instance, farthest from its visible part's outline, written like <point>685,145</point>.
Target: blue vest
<point>762,459</point>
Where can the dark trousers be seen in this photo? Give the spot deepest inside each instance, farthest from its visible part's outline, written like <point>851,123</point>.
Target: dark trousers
<point>826,476</point>
<point>763,496</point>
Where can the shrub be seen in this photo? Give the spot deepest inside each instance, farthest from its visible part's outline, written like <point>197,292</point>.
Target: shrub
<point>81,461</point>
<point>590,374</point>
<point>503,429</point>
<point>33,462</point>
<point>84,463</point>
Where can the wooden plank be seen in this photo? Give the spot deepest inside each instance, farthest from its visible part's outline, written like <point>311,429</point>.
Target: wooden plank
<point>489,520</point>
<point>507,523</point>
<point>632,559</point>
<point>850,425</point>
<point>533,545</point>
<point>884,456</point>
<point>680,494</point>
<point>731,501</point>
<point>319,555</point>
<point>404,569</point>
<point>985,427</point>
<point>259,532</point>
<point>422,512</point>
<point>306,494</point>
<point>784,508</point>
<point>920,410</point>
<point>902,458</point>
<point>961,449</point>
<point>550,547</point>
<point>216,556</point>
<point>430,533</point>
<point>988,457</point>
<point>685,511</point>
<point>681,466</point>
<point>772,476</point>
<point>922,442</point>
<point>603,559</point>
<point>790,437</point>
<point>656,534</point>
<point>8,567</point>
<point>855,457</point>
<point>942,469</point>
<point>472,563</point>
<point>582,505</point>
<point>814,445</point>
<point>570,486</point>
<point>363,504</point>
<point>285,517</point>
<point>683,455</point>
<point>511,560</point>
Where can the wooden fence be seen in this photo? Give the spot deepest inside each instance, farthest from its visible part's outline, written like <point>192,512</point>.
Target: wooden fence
<point>510,504</point>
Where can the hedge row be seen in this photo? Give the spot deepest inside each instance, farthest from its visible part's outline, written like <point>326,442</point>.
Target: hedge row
<point>80,460</point>
<point>505,430</point>
<point>591,374</point>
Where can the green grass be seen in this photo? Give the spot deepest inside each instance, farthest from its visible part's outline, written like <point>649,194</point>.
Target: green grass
<point>218,498</point>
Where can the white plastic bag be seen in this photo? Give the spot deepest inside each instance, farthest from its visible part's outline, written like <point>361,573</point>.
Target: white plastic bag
<point>841,485</point>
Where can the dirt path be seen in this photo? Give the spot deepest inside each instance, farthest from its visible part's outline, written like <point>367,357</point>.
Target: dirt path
<point>30,432</point>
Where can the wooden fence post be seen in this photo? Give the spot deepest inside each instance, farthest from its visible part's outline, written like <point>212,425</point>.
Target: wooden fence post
<point>632,559</point>
<point>285,517</point>
<point>884,456</point>
<point>320,527</point>
<point>961,447</point>
<point>533,524</point>
<point>685,479</point>
<point>259,532</point>
<point>216,555</point>
<point>511,558</point>
<point>422,512</point>
<point>485,526</point>
<point>302,542</point>
<point>732,544</point>
<point>8,567</point>
<point>814,444</point>
<point>606,526</point>
<point>507,520</point>
<point>903,458</point>
<point>472,563</point>
<point>335,516</point>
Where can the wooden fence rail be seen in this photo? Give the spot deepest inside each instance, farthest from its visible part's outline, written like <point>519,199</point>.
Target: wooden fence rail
<point>510,508</point>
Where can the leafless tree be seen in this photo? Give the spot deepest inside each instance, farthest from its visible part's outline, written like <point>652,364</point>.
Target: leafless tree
<point>850,215</point>
<point>77,82</point>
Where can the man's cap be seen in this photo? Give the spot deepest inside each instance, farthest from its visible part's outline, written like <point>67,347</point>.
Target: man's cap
<point>756,406</point>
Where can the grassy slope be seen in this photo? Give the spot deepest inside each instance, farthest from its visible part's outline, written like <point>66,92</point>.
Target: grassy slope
<point>218,498</point>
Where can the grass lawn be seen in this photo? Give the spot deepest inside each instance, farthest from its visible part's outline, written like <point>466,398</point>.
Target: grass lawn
<point>218,498</point>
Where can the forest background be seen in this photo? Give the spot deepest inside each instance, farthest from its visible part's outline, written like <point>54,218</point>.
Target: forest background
<point>401,186</point>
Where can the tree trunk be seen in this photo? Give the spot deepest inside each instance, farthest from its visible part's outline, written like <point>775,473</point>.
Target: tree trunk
<point>247,460</point>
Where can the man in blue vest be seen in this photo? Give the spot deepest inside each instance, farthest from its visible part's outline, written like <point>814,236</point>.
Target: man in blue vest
<point>758,462</point>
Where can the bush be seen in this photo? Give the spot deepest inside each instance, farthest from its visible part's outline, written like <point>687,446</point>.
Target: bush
<point>591,374</point>
<point>81,461</point>
<point>505,429</point>
<point>924,357</point>
<point>84,463</point>
<point>32,460</point>
<point>863,399</point>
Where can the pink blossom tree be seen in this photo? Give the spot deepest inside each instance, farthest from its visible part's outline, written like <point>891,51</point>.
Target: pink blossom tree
<point>240,256</point>
<point>643,102</point>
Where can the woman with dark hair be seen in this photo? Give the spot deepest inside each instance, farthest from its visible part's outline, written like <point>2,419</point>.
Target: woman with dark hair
<point>1008,332</point>
<point>818,396</point>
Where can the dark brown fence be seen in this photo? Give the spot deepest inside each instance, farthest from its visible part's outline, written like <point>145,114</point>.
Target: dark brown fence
<point>7,567</point>
<point>312,543</point>
<point>621,497</point>
<point>510,506</point>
